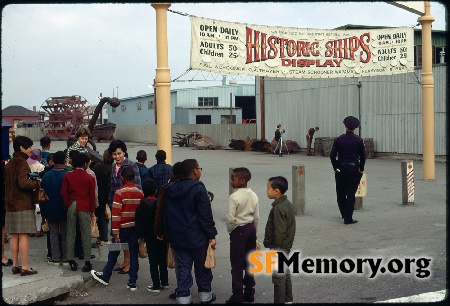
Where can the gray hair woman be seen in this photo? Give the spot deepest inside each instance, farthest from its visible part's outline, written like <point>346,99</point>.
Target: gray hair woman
<point>20,218</point>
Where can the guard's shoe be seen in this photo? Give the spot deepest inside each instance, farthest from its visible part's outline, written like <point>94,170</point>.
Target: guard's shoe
<point>98,276</point>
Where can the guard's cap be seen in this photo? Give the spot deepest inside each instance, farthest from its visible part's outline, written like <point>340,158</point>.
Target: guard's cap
<point>351,122</point>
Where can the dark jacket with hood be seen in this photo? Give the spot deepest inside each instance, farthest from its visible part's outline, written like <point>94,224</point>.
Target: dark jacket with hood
<point>188,214</point>
<point>53,209</point>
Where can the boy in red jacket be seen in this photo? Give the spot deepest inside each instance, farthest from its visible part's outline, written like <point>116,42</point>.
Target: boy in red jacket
<point>78,194</point>
<point>125,202</point>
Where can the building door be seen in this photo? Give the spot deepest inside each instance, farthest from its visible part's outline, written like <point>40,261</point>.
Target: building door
<point>248,105</point>
<point>203,119</point>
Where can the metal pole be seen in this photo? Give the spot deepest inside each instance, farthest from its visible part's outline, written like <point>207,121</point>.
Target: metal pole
<point>231,108</point>
<point>162,82</point>
<point>427,96</point>
<point>262,108</point>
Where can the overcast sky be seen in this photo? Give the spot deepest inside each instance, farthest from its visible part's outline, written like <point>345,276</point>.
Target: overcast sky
<point>50,50</point>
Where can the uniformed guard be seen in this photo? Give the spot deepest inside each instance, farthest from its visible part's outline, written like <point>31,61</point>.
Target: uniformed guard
<point>348,167</point>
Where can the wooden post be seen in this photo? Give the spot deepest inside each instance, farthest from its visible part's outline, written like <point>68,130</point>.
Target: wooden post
<point>162,82</point>
<point>262,108</point>
<point>298,189</point>
<point>407,182</point>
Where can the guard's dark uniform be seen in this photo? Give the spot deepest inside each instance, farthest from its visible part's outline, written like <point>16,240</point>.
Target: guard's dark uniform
<point>350,151</point>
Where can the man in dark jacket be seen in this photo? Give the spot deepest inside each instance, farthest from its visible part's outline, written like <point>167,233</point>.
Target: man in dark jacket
<point>160,172</point>
<point>348,157</point>
<point>53,210</point>
<point>191,229</point>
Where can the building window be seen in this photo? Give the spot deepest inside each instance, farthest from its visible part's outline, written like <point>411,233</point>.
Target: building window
<point>139,107</point>
<point>203,119</point>
<point>124,108</point>
<point>225,119</point>
<point>208,101</point>
<point>150,104</point>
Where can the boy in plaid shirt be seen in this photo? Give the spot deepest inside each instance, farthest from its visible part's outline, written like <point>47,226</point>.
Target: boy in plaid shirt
<point>125,202</point>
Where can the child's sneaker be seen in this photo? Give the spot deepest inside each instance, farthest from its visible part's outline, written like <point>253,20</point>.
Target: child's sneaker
<point>99,277</point>
<point>132,287</point>
<point>165,286</point>
<point>153,289</point>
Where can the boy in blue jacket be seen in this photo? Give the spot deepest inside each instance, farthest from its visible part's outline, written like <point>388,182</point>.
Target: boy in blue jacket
<point>53,210</point>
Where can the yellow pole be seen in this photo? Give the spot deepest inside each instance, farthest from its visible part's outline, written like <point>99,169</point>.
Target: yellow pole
<point>162,82</point>
<point>427,96</point>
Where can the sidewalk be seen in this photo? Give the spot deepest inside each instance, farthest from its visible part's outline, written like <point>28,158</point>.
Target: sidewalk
<point>386,229</point>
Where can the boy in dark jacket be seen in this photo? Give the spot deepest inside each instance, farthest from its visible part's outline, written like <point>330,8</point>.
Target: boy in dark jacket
<point>187,206</point>
<point>156,249</point>
<point>279,234</point>
<point>53,210</point>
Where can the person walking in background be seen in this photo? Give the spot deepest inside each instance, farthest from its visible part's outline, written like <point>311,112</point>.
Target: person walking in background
<point>141,158</point>
<point>36,167</point>
<point>53,210</point>
<point>20,211</point>
<point>160,172</point>
<point>279,235</point>
<point>156,248</point>
<point>126,200</point>
<point>118,150</point>
<point>309,139</point>
<point>187,206</point>
<point>78,194</point>
<point>103,174</point>
<point>348,157</point>
<point>45,145</point>
<point>242,223</point>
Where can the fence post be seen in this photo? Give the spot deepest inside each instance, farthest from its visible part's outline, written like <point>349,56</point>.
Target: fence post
<point>298,189</point>
<point>407,182</point>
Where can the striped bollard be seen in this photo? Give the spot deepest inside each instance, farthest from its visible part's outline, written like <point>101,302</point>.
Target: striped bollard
<point>407,182</point>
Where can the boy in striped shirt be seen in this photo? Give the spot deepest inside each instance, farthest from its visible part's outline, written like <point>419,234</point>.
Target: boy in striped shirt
<point>125,202</point>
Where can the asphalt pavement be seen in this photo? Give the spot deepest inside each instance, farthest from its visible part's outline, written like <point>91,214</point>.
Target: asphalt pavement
<point>386,229</point>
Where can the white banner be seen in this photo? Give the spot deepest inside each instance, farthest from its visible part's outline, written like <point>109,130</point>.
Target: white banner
<point>236,48</point>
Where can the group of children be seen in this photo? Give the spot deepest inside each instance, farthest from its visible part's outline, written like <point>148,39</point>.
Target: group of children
<point>134,214</point>
<point>242,222</point>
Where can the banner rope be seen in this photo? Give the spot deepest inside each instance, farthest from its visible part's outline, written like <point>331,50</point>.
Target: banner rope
<point>180,13</point>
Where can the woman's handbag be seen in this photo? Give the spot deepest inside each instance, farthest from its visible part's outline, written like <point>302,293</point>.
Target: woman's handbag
<point>210,261</point>
<point>94,228</point>
<point>170,257</point>
<point>39,195</point>
<point>107,212</point>
<point>142,248</point>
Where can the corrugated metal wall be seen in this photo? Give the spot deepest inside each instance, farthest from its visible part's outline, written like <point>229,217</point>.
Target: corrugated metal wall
<point>389,108</point>
<point>189,97</point>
